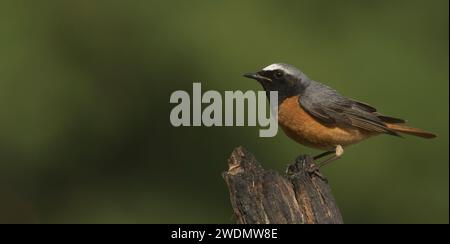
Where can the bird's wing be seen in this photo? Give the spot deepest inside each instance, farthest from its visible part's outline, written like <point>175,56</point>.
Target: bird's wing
<point>329,107</point>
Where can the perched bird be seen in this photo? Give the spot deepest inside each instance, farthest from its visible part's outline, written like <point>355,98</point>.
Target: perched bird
<point>317,116</point>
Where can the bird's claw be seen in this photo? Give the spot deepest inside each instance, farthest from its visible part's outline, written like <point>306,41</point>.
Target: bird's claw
<point>303,160</point>
<point>314,170</point>
<point>306,164</point>
<point>300,163</point>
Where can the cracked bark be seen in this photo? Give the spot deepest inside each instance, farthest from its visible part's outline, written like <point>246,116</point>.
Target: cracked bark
<point>261,196</point>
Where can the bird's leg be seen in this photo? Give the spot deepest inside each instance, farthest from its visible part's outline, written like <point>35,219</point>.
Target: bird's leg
<point>323,154</point>
<point>338,153</point>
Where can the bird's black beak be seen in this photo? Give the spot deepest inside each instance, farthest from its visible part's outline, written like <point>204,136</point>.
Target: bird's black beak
<point>254,76</point>
<point>257,77</point>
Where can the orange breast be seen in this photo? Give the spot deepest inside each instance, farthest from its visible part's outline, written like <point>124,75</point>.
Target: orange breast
<point>306,130</point>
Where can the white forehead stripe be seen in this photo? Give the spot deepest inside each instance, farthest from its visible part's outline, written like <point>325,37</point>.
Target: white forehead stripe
<point>273,67</point>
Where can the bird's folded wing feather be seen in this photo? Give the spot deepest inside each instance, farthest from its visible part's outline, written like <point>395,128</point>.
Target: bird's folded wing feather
<point>329,107</point>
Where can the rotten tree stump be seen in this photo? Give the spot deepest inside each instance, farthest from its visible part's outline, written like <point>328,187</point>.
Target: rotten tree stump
<point>260,196</point>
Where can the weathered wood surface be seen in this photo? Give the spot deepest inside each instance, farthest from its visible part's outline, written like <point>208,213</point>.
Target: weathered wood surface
<point>261,196</point>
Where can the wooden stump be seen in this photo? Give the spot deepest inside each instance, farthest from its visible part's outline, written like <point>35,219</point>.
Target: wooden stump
<point>260,196</point>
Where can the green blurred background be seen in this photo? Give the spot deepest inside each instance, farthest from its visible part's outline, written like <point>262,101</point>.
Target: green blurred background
<point>85,135</point>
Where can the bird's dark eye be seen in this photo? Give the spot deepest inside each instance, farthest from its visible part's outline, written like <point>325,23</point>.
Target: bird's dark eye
<point>278,74</point>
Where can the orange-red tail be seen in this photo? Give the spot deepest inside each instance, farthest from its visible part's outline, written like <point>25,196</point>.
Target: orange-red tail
<point>410,130</point>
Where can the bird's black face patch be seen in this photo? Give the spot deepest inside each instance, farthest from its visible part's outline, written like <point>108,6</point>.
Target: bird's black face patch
<point>278,74</point>
<point>278,80</point>
<point>287,81</point>
<point>272,75</point>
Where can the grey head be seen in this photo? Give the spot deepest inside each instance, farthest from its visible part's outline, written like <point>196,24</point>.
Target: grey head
<point>284,78</point>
